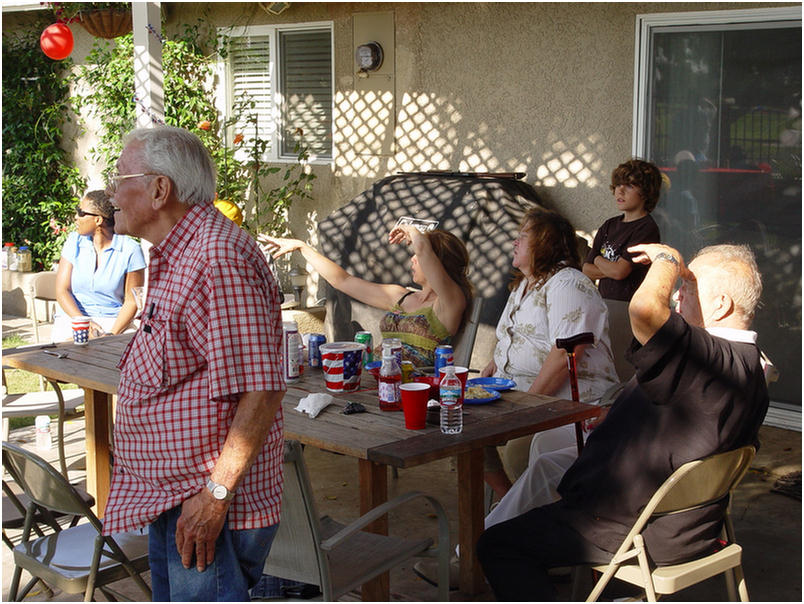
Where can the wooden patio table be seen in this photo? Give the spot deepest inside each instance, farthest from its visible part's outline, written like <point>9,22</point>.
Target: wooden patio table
<point>93,367</point>
<point>377,439</point>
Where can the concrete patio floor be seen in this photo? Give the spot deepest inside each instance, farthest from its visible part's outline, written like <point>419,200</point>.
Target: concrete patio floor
<point>768,524</point>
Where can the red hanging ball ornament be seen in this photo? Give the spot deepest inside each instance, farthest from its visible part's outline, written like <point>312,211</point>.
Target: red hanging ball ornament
<point>57,41</point>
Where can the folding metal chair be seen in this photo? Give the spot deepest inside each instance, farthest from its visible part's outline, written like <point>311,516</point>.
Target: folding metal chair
<point>694,485</point>
<point>338,558</point>
<point>77,559</point>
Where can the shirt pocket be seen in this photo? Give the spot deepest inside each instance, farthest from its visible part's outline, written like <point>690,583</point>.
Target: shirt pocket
<point>144,363</point>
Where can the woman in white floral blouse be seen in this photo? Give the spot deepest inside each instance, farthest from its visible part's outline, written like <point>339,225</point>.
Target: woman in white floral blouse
<point>550,298</point>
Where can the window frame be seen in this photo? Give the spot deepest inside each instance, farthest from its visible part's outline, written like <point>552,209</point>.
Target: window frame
<point>781,415</point>
<point>273,31</point>
<point>646,24</point>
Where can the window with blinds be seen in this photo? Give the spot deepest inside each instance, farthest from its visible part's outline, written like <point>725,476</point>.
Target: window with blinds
<point>287,73</point>
<point>250,78</point>
<point>306,91</point>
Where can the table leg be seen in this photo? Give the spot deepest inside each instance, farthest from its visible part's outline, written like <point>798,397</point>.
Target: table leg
<point>470,520</point>
<point>97,406</point>
<point>579,436</point>
<point>374,492</point>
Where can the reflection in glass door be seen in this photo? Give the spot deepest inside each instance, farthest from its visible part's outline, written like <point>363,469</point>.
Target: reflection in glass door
<point>721,116</point>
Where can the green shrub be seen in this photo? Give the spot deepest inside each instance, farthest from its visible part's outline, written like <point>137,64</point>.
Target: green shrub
<point>40,186</point>
<point>188,63</point>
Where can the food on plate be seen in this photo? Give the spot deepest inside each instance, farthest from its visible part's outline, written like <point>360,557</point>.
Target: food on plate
<point>473,392</point>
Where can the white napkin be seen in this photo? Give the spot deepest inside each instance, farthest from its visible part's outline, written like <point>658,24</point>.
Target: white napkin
<point>312,404</point>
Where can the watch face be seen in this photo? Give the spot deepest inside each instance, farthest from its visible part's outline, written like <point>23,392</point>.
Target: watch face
<point>219,492</point>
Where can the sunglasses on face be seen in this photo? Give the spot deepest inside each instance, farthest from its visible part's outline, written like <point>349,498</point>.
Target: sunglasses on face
<point>81,213</point>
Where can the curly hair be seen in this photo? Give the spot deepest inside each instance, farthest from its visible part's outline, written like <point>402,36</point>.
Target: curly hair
<point>101,204</point>
<point>553,244</point>
<point>641,174</point>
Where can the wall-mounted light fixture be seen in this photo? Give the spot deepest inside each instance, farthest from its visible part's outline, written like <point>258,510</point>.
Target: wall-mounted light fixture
<point>298,279</point>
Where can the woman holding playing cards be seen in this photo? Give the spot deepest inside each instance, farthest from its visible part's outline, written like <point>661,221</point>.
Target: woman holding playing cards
<point>422,319</point>
<point>97,271</point>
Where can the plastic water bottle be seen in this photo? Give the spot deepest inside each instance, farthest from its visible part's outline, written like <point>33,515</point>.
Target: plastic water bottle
<point>451,406</point>
<point>43,440</point>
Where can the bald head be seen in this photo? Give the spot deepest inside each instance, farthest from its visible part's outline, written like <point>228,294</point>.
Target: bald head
<point>728,272</point>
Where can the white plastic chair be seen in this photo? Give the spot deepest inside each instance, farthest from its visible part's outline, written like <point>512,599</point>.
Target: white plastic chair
<point>43,288</point>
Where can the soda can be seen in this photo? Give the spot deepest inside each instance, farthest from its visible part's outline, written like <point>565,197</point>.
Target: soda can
<point>364,337</point>
<point>313,351</point>
<point>443,357</point>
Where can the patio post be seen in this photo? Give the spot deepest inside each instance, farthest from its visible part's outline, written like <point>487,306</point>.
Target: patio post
<point>148,77</point>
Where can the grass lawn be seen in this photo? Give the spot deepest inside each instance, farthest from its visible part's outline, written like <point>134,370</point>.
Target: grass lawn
<point>18,381</point>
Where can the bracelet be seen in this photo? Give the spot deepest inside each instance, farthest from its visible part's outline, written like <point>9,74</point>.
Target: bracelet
<point>667,257</point>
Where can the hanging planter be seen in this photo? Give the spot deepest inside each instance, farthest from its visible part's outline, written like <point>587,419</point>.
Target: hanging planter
<point>106,23</point>
<point>101,19</point>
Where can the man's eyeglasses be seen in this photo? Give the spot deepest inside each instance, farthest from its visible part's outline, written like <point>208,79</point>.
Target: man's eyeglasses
<point>81,213</point>
<point>114,181</point>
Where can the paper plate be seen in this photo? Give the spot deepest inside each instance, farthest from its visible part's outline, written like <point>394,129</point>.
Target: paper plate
<point>482,401</point>
<point>492,383</point>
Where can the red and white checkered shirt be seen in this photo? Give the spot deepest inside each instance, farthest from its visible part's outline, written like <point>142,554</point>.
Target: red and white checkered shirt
<point>210,332</point>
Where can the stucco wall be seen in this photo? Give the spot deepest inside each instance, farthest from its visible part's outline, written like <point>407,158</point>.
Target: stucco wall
<point>542,88</point>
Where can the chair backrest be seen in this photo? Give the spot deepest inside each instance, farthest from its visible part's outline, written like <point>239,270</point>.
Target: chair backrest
<point>695,484</point>
<point>295,552</point>
<point>620,335</point>
<point>43,286</point>
<point>464,341</point>
<point>703,481</point>
<point>44,485</point>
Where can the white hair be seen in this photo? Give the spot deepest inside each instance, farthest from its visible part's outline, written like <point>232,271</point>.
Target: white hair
<point>181,156</point>
<point>736,273</point>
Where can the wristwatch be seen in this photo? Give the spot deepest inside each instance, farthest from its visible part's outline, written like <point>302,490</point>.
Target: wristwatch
<point>667,257</point>
<point>219,492</point>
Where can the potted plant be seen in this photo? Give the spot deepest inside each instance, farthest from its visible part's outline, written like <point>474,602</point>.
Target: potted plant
<point>101,19</point>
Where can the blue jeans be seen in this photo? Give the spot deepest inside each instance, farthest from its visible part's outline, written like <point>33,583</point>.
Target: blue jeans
<point>239,560</point>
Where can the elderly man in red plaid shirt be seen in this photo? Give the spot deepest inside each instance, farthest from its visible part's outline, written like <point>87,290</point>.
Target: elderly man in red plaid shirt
<point>198,432</point>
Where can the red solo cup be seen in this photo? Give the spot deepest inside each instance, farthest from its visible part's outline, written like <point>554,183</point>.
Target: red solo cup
<point>414,404</point>
<point>462,373</point>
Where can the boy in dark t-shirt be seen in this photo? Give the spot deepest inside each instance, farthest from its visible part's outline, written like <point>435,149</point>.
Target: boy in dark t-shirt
<point>636,185</point>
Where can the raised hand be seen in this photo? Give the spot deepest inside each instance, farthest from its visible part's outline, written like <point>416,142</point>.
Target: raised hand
<point>403,233</point>
<point>646,253</point>
<point>279,246</point>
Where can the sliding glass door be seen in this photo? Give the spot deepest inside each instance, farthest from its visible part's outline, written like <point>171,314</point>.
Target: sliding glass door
<point>719,111</point>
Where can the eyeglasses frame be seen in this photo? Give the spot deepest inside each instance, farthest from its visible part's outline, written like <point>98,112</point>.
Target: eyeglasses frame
<point>115,180</point>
